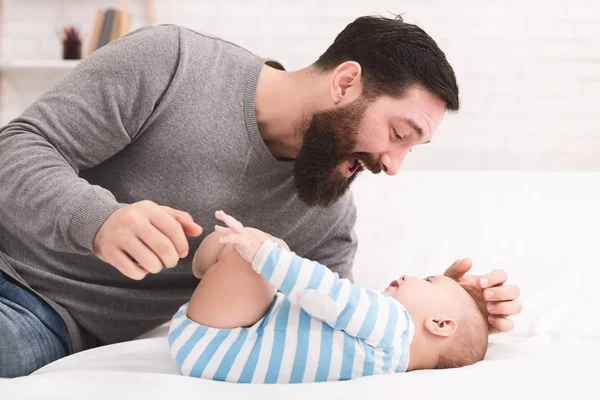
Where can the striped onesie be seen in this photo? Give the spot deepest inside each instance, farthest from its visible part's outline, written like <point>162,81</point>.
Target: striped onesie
<point>318,328</point>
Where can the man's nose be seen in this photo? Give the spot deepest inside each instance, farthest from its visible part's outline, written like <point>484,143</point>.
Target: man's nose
<point>391,162</point>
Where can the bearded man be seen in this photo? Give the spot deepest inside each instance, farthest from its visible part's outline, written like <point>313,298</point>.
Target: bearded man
<point>107,178</point>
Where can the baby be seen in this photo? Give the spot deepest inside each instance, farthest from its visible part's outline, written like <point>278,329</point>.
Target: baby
<point>261,314</point>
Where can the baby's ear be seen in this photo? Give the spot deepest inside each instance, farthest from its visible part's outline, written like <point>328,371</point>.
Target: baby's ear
<point>444,326</point>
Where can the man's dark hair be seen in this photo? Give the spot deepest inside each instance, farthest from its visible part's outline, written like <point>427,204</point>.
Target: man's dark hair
<point>393,55</point>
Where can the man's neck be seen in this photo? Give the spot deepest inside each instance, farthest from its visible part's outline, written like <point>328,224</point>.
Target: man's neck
<point>283,99</point>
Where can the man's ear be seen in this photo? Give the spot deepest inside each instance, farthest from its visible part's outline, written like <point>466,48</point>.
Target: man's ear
<point>444,326</point>
<point>346,83</point>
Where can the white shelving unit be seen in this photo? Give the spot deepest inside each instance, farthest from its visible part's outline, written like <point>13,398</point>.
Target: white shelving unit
<point>11,69</point>
<point>8,66</point>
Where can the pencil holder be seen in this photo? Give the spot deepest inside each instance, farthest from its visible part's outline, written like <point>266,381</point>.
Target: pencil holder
<point>71,50</point>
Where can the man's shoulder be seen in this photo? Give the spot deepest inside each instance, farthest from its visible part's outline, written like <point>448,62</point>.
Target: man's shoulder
<point>195,38</point>
<point>208,38</point>
<point>156,32</point>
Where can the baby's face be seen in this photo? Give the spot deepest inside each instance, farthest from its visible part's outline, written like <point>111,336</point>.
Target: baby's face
<point>423,298</point>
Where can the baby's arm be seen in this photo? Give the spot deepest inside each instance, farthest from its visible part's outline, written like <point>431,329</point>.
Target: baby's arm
<point>210,249</point>
<point>230,294</point>
<point>373,317</point>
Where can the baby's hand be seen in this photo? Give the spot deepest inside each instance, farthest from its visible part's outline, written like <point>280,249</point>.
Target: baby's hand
<point>246,241</point>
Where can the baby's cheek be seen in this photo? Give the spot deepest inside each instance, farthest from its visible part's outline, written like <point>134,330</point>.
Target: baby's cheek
<point>396,295</point>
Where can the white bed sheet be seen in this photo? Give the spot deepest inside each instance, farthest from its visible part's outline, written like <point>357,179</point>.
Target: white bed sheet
<point>541,227</point>
<point>519,368</point>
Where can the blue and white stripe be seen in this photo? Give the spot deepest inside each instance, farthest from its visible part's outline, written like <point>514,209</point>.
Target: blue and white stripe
<point>368,332</point>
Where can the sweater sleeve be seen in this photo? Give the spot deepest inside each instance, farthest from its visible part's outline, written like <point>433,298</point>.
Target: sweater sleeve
<point>92,114</point>
<point>376,318</point>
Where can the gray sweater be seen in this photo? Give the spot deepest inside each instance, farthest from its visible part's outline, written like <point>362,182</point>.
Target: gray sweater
<point>164,114</point>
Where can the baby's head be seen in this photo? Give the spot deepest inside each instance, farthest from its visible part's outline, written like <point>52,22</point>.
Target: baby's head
<point>450,331</point>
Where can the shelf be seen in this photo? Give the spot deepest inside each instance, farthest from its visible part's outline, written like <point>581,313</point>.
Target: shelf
<point>37,65</point>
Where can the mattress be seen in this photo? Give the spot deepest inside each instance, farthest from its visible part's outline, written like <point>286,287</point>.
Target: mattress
<point>542,228</point>
<point>515,367</point>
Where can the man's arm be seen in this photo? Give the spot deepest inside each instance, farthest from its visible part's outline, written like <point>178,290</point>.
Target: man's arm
<point>92,114</point>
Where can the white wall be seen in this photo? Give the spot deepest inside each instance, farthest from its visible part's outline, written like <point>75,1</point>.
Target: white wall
<point>540,227</point>
<point>529,71</point>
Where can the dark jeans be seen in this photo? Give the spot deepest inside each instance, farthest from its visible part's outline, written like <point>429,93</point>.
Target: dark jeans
<point>32,334</point>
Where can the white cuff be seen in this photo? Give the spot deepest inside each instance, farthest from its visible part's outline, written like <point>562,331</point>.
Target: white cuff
<point>261,255</point>
<point>318,304</point>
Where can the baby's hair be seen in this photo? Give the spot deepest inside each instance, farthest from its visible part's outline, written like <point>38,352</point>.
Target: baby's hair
<point>469,343</point>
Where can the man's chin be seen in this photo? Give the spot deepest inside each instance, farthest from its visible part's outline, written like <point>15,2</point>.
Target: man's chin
<point>317,201</point>
<point>325,195</point>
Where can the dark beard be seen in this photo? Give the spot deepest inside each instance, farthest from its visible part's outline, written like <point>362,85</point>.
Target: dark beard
<point>329,140</point>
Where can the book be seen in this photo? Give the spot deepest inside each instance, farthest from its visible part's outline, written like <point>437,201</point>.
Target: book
<point>125,21</point>
<point>98,21</point>
<point>125,25</point>
<point>110,24</point>
<point>115,31</point>
<point>106,27</point>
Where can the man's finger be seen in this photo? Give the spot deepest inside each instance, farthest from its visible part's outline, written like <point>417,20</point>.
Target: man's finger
<point>500,324</point>
<point>502,293</point>
<point>504,308</point>
<point>494,278</point>
<point>458,268</point>
<point>186,221</point>
<point>127,267</point>
<point>190,227</point>
<point>144,256</point>
<point>165,224</point>
<point>163,245</point>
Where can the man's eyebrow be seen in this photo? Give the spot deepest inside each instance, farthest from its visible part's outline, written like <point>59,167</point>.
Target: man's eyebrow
<point>415,128</point>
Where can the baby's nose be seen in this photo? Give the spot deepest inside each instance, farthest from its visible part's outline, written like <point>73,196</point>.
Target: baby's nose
<point>403,277</point>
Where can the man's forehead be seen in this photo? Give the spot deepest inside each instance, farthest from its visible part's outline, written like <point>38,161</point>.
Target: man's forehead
<point>422,111</point>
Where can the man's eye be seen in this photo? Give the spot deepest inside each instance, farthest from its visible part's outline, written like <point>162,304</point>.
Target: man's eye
<point>396,135</point>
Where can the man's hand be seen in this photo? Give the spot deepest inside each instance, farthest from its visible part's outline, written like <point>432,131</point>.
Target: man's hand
<point>143,237</point>
<point>495,301</point>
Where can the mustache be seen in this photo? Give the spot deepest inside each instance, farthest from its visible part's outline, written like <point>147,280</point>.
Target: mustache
<point>370,161</point>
